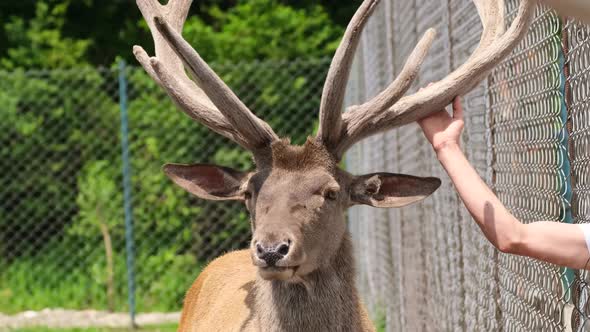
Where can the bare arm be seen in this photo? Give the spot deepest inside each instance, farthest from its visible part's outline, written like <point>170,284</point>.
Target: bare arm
<point>557,243</point>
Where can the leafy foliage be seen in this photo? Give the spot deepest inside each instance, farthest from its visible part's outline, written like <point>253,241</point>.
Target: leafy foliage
<point>113,27</point>
<point>40,43</point>
<point>60,150</point>
<point>263,29</point>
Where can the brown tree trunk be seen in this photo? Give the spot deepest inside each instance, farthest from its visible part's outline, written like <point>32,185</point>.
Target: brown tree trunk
<point>108,248</point>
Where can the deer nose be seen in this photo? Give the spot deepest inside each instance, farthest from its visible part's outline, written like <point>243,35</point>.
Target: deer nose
<point>271,254</point>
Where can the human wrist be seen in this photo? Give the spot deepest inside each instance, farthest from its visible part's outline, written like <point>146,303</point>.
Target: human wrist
<point>446,148</point>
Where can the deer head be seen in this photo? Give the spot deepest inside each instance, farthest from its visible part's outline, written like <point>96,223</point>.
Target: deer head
<point>297,195</point>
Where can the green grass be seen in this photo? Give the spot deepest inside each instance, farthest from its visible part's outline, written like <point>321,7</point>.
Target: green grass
<point>159,328</point>
<point>380,321</point>
<point>45,282</point>
<point>379,324</point>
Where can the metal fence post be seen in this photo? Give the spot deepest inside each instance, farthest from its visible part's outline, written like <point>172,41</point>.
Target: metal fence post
<point>129,243</point>
<point>566,143</point>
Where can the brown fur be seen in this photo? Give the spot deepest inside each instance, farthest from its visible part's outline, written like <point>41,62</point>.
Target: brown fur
<point>311,155</point>
<point>228,296</point>
<point>300,198</point>
<point>298,274</point>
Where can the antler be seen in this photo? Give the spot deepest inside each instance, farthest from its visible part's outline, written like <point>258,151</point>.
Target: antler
<point>388,109</point>
<point>210,101</point>
<point>335,85</point>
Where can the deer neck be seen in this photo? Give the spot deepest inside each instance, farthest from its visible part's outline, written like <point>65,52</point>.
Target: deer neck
<point>327,300</point>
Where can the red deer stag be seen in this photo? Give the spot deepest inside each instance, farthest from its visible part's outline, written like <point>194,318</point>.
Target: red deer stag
<point>298,274</point>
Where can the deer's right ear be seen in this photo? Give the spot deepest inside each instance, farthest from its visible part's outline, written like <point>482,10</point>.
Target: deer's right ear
<point>386,190</point>
<point>209,181</point>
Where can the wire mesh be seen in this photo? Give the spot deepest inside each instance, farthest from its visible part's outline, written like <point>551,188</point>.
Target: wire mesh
<point>445,274</point>
<point>529,133</point>
<point>56,123</point>
<point>62,232</point>
<point>422,268</point>
<point>478,255</point>
<point>577,63</point>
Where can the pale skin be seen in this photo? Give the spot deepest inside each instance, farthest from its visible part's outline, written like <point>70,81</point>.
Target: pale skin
<point>557,243</point>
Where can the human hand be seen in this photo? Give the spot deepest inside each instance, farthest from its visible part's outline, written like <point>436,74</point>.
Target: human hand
<point>441,129</point>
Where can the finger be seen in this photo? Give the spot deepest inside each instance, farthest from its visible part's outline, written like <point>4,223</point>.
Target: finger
<point>457,109</point>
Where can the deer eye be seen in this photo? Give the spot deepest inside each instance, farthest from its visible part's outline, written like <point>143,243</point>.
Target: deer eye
<point>331,195</point>
<point>247,195</point>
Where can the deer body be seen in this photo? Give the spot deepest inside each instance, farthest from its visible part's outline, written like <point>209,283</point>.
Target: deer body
<point>230,287</point>
<point>298,274</point>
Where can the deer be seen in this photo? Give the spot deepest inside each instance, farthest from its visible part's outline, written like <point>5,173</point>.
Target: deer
<point>298,273</point>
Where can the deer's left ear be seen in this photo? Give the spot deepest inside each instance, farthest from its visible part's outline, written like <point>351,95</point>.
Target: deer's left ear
<point>386,190</point>
<point>210,182</point>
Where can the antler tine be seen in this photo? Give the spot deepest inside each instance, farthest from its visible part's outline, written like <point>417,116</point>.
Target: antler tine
<point>411,108</point>
<point>388,97</point>
<point>170,73</point>
<point>335,86</point>
<point>257,132</point>
<point>209,117</point>
<point>167,69</point>
<point>176,11</point>
<point>493,22</point>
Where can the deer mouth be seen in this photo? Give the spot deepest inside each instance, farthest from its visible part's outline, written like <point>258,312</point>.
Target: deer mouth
<point>277,272</point>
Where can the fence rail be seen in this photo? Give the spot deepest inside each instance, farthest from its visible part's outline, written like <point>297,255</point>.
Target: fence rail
<point>428,267</point>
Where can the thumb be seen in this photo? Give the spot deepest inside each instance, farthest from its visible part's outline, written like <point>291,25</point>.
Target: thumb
<point>457,109</point>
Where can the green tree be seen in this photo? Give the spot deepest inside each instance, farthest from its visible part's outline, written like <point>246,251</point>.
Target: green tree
<point>263,29</point>
<point>39,42</point>
<point>59,143</point>
<point>112,27</point>
<point>99,201</point>
<point>50,128</point>
<point>55,123</point>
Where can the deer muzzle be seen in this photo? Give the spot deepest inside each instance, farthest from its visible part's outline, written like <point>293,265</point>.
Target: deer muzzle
<point>277,257</point>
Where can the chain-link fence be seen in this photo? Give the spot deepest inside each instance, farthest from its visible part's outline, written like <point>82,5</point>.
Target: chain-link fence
<point>428,267</point>
<point>62,217</point>
<point>63,240</point>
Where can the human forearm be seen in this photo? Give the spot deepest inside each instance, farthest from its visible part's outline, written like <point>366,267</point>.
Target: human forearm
<point>498,225</point>
<point>557,243</point>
